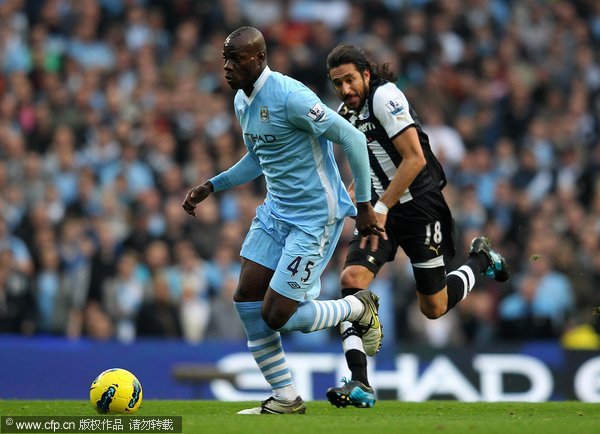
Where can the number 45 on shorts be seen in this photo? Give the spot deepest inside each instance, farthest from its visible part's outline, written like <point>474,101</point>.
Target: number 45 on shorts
<point>294,266</point>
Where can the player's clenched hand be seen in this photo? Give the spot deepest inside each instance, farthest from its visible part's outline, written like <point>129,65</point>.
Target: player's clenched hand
<point>196,195</point>
<point>369,226</point>
<point>374,239</point>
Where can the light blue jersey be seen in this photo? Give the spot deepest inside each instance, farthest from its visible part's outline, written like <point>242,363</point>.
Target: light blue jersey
<point>282,123</point>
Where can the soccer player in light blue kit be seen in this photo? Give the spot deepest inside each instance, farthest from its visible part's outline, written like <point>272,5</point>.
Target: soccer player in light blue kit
<point>288,132</point>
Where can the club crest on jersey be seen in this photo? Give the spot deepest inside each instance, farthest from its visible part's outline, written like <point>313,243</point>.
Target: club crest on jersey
<point>264,113</point>
<point>395,107</point>
<point>316,113</point>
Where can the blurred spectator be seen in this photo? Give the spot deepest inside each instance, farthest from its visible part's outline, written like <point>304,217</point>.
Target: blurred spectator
<point>75,249</point>
<point>224,265</point>
<point>103,262</point>
<point>123,295</point>
<point>20,258</point>
<point>157,257</point>
<point>88,51</point>
<point>140,233</point>
<point>61,163</point>
<point>88,201</point>
<point>51,301</point>
<point>33,180</point>
<point>158,315</point>
<point>136,173</point>
<point>224,324</point>
<point>190,287</point>
<point>436,334</point>
<point>16,298</point>
<point>97,325</point>
<point>446,143</point>
<point>541,304</point>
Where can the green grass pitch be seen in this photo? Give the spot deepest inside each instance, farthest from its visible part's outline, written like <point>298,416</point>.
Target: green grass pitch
<point>214,417</point>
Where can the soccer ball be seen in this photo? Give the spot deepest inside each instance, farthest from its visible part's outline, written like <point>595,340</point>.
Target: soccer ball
<point>116,391</point>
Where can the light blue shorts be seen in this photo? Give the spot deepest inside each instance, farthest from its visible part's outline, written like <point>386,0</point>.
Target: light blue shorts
<point>298,255</point>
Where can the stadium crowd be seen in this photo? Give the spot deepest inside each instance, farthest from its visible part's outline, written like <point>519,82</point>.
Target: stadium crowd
<point>111,109</point>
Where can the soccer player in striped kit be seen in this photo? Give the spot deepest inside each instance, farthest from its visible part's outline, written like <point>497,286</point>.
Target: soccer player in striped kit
<point>407,182</point>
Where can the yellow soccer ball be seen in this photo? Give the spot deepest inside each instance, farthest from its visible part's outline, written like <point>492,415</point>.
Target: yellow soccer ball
<point>116,391</point>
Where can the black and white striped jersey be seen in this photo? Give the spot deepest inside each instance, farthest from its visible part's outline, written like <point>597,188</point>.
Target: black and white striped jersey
<point>385,115</point>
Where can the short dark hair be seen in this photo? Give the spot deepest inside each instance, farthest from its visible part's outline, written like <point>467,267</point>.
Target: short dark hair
<point>345,53</point>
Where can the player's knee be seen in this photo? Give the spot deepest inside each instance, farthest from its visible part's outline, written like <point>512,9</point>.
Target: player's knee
<point>433,309</point>
<point>244,294</point>
<point>356,276</point>
<point>433,313</point>
<point>274,318</point>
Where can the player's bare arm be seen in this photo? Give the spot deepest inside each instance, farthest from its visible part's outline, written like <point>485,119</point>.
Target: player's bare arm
<point>196,195</point>
<point>413,161</point>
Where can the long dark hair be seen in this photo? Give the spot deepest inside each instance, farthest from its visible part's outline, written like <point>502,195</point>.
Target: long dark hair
<point>345,53</point>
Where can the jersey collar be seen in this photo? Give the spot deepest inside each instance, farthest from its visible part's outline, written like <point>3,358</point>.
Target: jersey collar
<point>260,82</point>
